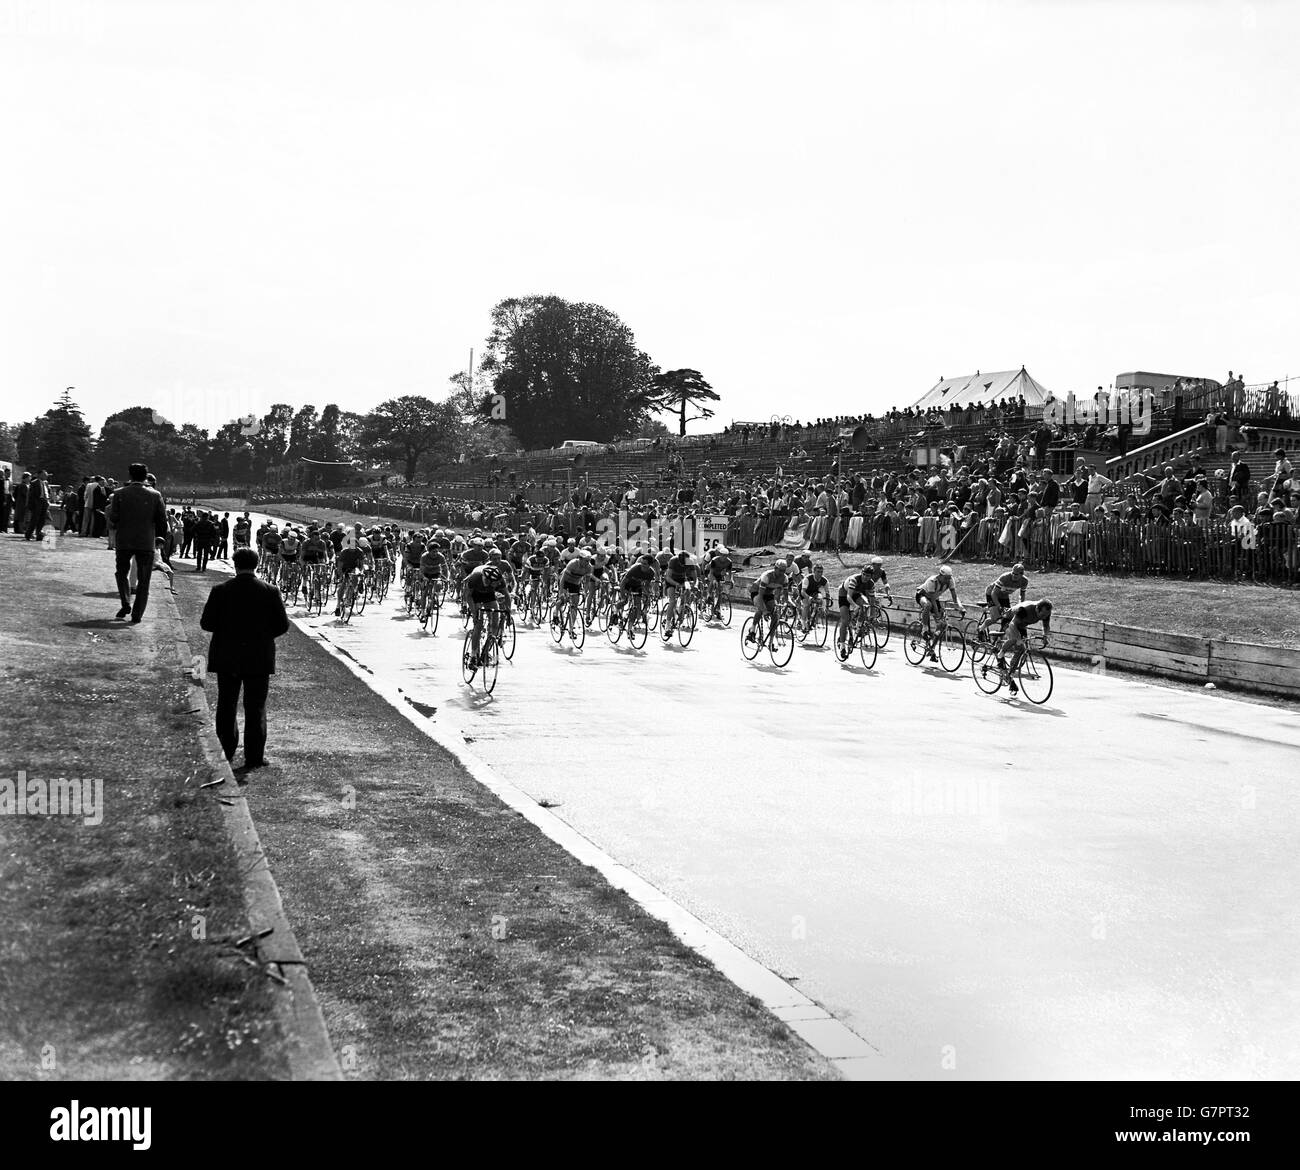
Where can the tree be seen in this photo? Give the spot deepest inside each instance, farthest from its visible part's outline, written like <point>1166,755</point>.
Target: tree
<point>301,431</point>
<point>564,371</point>
<point>28,441</point>
<point>271,441</point>
<point>64,449</point>
<point>676,389</point>
<point>409,428</point>
<point>8,445</point>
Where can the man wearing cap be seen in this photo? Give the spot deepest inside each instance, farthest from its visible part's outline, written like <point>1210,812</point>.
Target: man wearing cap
<point>139,518</point>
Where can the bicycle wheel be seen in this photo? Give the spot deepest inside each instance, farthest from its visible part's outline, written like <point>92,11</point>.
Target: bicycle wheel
<point>348,600</point>
<point>508,636</point>
<point>555,616</point>
<point>724,610</point>
<point>780,643</point>
<point>1035,678</point>
<point>468,661</point>
<point>661,622</point>
<point>652,613</point>
<point>577,629</point>
<point>601,617</point>
<point>821,628</point>
<point>613,625</point>
<point>952,650</point>
<point>914,647</point>
<point>686,626</point>
<point>984,668</point>
<point>880,621</point>
<point>638,630</point>
<point>749,638</point>
<point>491,665</point>
<point>867,645</point>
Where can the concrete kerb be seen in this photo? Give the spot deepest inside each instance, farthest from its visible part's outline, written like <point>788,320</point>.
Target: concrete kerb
<point>310,1054</point>
<point>852,1056</point>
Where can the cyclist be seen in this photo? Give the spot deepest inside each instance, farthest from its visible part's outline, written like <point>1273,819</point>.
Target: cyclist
<point>483,586</point>
<point>350,560</point>
<point>762,593</point>
<point>998,594</point>
<point>270,546</point>
<point>855,593</point>
<point>678,574</point>
<point>315,550</point>
<point>243,532</point>
<point>289,546</point>
<point>433,564</point>
<point>633,583</point>
<point>1018,623</point>
<point>720,573</point>
<point>573,579</point>
<point>412,551</point>
<point>497,560</point>
<point>927,598</point>
<point>812,585</point>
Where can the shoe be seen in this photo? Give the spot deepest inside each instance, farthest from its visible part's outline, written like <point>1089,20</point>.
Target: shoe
<point>135,621</point>
<point>843,653</point>
<point>932,657</point>
<point>125,611</point>
<point>1015,690</point>
<point>251,765</point>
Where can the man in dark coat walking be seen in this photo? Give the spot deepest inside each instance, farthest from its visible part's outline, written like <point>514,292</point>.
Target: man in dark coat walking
<point>244,615</point>
<point>20,502</point>
<point>139,518</point>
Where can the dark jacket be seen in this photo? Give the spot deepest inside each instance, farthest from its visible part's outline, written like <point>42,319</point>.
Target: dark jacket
<point>138,515</point>
<point>1051,493</point>
<point>244,615</point>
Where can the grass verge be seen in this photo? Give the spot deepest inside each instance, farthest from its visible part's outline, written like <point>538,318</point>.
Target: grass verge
<point>115,960</point>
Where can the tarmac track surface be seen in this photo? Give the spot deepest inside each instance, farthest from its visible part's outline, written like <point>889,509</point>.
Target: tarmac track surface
<point>1102,887</point>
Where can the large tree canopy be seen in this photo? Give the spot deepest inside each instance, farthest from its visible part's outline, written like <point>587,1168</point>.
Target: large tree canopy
<point>564,370</point>
<point>409,428</point>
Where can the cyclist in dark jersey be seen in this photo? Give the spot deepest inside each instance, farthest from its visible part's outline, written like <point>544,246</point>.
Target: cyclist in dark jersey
<point>484,586</point>
<point>1015,640</point>
<point>854,594</point>
<point>635,580</point>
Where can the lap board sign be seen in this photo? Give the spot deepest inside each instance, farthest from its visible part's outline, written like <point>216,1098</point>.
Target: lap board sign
<point>711,528</point>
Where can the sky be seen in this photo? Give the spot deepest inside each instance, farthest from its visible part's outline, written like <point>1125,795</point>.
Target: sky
<point>823,207</point>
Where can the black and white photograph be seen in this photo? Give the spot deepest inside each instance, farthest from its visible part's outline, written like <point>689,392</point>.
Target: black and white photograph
<point>548,541</point>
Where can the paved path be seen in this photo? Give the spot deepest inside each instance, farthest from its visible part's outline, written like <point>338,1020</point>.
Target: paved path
<point>1102,887</point>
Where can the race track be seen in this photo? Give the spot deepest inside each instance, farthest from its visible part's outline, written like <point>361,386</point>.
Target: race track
<point>1101,887</point>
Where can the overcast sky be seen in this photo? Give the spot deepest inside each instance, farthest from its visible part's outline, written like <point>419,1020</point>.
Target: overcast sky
<point>210,207</point>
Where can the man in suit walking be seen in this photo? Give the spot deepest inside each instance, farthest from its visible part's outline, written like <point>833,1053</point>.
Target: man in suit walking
<point>38,507</point>
<point>138,517</point>
<point>244,615</point>
<point>20,502</point>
